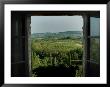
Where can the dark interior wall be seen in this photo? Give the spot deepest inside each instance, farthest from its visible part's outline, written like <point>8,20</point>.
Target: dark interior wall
<point>58,13</point>
<point>92,70</point>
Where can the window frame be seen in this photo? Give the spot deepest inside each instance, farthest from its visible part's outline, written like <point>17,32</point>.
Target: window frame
<point>86,17</point>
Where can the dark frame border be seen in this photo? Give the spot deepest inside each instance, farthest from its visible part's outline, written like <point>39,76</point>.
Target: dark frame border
<point>1,44</point>
<point>108,40</point>
<point>2,2</point>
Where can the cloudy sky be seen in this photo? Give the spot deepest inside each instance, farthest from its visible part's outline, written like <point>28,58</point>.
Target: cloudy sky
<point>42,24</point>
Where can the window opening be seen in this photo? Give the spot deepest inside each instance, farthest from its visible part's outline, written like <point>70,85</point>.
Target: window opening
<point>57,46</point>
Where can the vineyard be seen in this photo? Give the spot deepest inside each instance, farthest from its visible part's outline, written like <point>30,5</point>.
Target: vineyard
<point>56,57</point>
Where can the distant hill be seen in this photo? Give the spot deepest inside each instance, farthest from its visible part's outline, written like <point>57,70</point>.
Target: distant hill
<point>58,34</point>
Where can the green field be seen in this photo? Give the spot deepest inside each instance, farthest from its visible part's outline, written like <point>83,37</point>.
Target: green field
<point>55,52</point>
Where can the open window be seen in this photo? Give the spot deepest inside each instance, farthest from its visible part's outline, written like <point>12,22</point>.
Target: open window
<point>21,41</point>
<point>57,45</point>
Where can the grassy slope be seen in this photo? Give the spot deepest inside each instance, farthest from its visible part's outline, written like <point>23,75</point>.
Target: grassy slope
<point>53,46</point>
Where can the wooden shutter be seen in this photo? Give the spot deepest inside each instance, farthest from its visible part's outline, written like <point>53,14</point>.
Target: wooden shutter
<point>19,45</point>
<point>90,67</point>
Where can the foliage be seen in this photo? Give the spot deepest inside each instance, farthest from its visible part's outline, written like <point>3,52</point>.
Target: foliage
<point>54,52</point>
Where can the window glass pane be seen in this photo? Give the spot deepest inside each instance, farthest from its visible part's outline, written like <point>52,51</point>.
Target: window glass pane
<point>95,49</point>
<point>94,26</point>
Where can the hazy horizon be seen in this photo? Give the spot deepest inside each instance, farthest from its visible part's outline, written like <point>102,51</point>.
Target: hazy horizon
<point>50,32</point>
<point>55,24</point>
